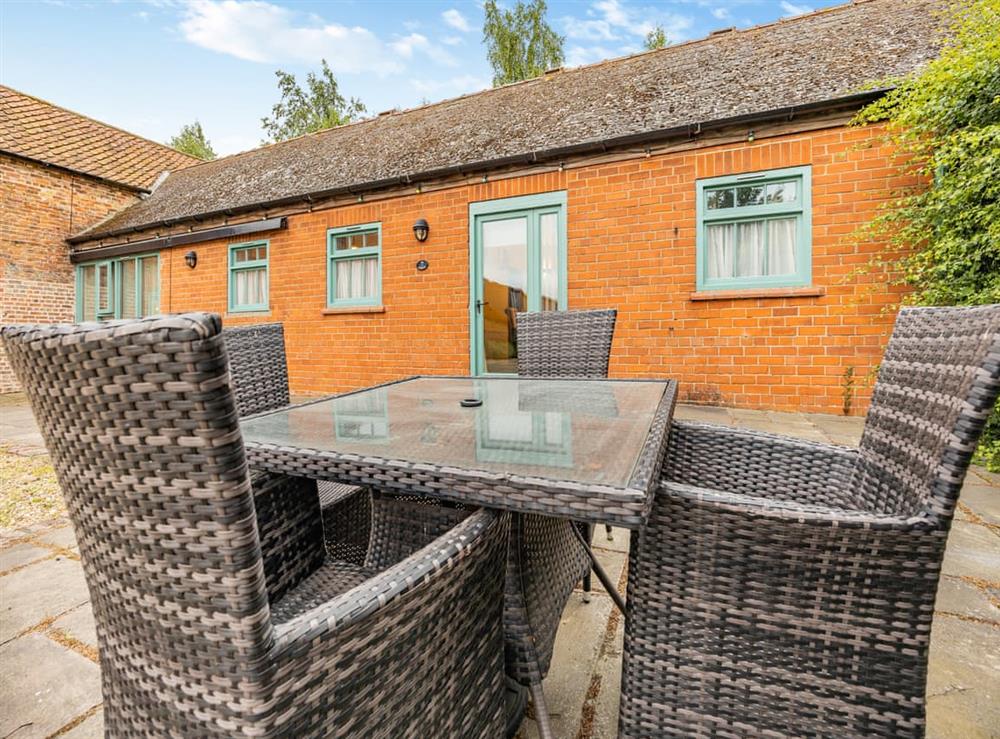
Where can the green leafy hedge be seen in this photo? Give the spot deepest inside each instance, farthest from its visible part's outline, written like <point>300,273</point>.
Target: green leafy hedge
<point>943,234</point>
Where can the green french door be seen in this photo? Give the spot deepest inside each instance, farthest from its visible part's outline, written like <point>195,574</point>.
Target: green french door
<point>518,264</point>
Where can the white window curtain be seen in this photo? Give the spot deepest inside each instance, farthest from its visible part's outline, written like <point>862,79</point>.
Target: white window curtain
<point>251,286</point>
<point>721,240</point>
<point>781,246</point>
<point>738,249</point>
<point>356,278</point>
<point>750,249</point>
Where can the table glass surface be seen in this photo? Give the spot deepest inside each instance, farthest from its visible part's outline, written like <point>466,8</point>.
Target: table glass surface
<point>585,431</point>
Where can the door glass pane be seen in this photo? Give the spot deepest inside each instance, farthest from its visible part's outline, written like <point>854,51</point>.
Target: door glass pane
<point>150,286</point>
<point>504,290</point>
<point>126,288</point>
<point>549,232</point>
<point>87,298</point>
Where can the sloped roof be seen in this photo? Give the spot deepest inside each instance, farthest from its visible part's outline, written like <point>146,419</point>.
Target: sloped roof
<point>39,130</point>
<point>823,56</point>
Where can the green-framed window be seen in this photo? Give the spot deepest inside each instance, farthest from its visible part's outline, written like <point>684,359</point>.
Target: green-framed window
<point>354,265</point>
<point>248,276</point>
<point>755,230</point>
<point>127,287</point>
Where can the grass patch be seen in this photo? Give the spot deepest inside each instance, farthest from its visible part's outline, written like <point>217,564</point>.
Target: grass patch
<point>29,492</point>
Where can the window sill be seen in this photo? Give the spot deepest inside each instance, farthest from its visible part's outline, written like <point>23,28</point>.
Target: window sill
<point>354,309</point>
<point>265,313</point>
<point>769,292</point>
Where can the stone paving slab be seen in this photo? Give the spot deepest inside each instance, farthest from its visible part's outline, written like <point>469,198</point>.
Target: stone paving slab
<point>43,687</point>
<point>78,625</point>
<point>20,555</point>
<point>984,502</point>
<point>973,550</point>
<point>958,596</point>
<point>40,591</point>
<point>91,727</point>
<point>963,684</point>
<point>61,537</point>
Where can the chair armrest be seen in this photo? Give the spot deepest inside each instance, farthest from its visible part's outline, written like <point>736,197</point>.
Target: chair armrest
<point>790,511</point>
<point>483,535</point>
<point>290,527</point>
<point>418,645</point>
<point>758,464</point>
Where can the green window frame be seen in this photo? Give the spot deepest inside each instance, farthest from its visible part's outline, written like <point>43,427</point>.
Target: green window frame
<point>756,197</point>
<point>247,265</point>
<point>111,277</point>
<point>341,259</point>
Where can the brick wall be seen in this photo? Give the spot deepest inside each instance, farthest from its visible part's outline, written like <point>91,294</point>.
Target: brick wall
<point>631,245</point>
<point>39,208</point>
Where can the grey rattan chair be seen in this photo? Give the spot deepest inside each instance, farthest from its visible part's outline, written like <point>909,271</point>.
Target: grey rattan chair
<point>142,428</point>
<point>259,371</point>
<point>786,588</point>
<point>546,559</point>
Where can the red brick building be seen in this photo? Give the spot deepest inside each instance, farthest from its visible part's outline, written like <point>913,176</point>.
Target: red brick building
<point>60,172</point>
<point>708,191</point>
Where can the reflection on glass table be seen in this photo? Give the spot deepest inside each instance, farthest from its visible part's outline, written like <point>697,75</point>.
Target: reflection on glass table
<point>589,432</point>
<point>505,433</point>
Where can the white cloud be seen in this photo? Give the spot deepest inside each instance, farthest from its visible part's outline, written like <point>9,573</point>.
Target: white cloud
<point>720,13</point>
<point>619,22</point>
<point>414,42</point>
<point>791,9</point>
<point>452,87</point>
<point>261,32</point>
<point>578,55</point>
<point>456,20</point>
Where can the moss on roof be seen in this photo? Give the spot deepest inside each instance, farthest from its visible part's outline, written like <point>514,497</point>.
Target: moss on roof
<point>822,56</point>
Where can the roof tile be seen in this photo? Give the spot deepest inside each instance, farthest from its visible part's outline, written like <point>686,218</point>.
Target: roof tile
<point>38,130</point>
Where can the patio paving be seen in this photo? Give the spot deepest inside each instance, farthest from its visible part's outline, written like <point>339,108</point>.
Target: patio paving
<point>50,681</point>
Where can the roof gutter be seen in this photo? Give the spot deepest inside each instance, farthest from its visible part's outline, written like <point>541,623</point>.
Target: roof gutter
<point>687,130</point>
<point>163,242</point>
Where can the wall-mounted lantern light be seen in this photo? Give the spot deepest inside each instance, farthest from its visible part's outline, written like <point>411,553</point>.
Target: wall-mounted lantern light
<point>421,229</point>
<point>191,259</point>
<point>751,136</point>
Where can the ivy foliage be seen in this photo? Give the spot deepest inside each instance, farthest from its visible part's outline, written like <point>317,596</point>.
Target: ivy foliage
<point>943,232</point>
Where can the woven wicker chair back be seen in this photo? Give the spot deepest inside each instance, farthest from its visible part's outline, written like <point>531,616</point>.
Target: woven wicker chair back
<point>565,343</point>
<point>142,429</point>
<point>937,384</point>
<point>258,366</point>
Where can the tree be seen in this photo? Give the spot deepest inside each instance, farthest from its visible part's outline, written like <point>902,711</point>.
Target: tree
<point>943,234</point>
<point>191,140</point>
<point>656,39</point>
<point>304,111</point>
<point>520,44</point>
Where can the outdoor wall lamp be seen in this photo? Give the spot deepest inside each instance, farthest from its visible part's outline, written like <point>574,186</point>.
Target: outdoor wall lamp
<point>191,259</point>
<point>421,229</point>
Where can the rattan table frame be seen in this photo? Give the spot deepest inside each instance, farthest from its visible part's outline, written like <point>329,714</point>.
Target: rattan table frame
<point>627,506</point>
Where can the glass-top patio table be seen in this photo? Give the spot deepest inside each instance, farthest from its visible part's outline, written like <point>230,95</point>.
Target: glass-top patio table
<point>588,450</point>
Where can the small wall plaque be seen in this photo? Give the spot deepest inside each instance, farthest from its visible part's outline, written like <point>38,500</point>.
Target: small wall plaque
<point>422,265</point>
